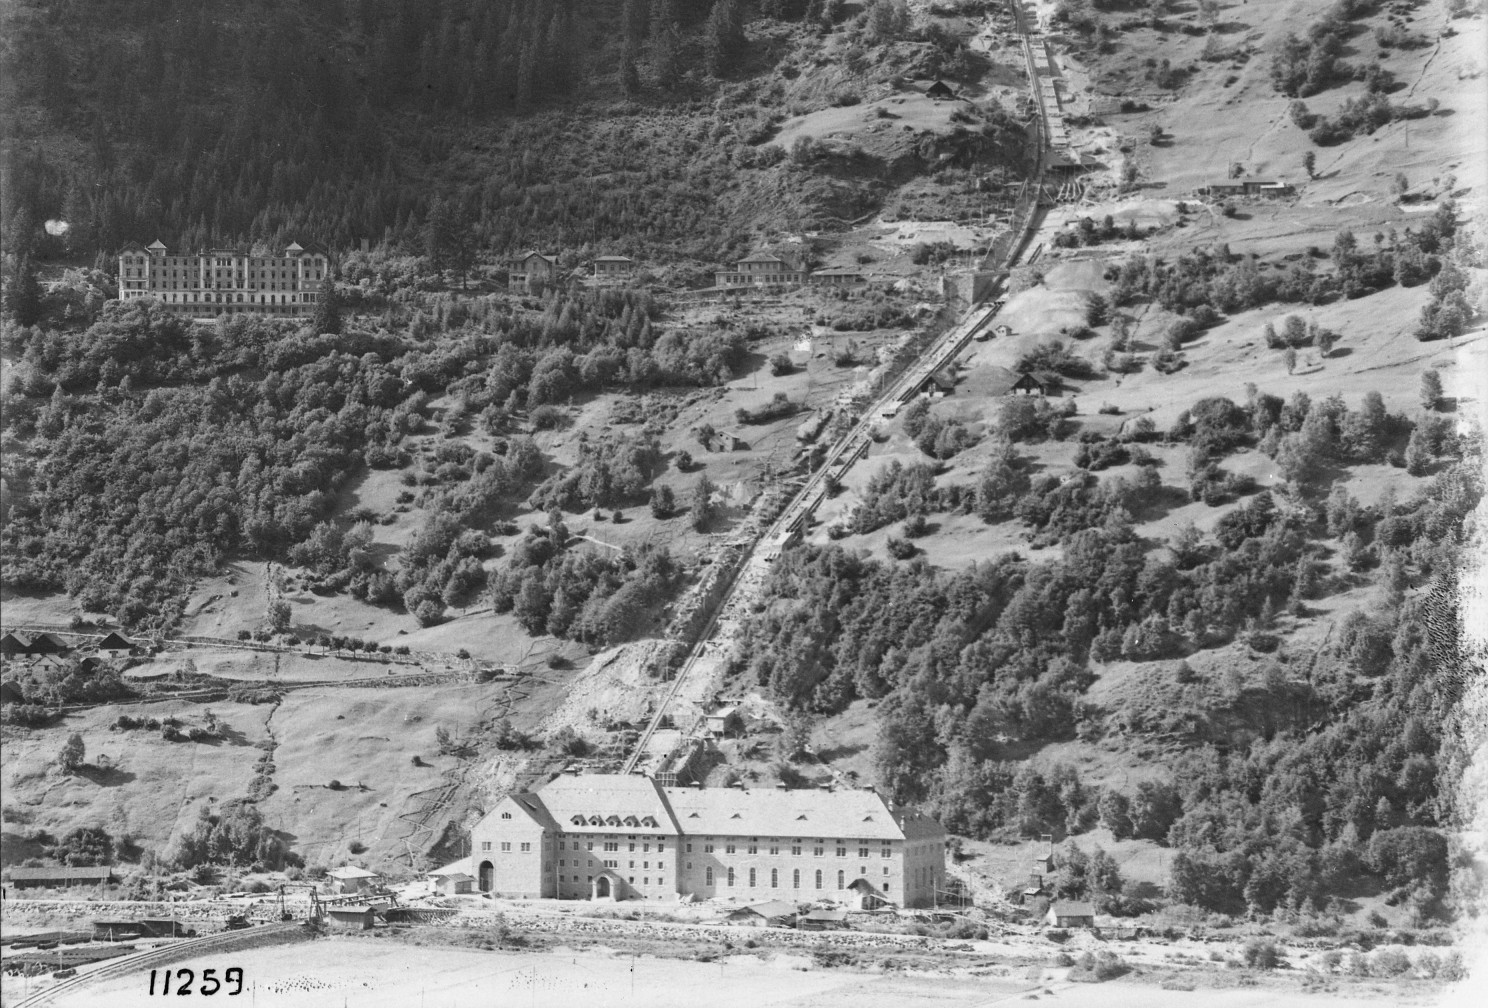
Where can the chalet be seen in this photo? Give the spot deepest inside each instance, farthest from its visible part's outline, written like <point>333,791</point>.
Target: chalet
<point>823,920</point>
<point>1070,913</point>
<point>1027,384</point>
<point>770,913</point>
<point>838,276</point>
<point>725,441</point>
<point>351,879</point>
<point>11,692</point>
<point>942,383</point>
<point>12,646</point>
<point>59,878</point>
<point>115,646</point>
<point>614,268</point>
<point>940,91</point>
<point>762,269</point>
<point>350,917</point>
<point>533,268</point>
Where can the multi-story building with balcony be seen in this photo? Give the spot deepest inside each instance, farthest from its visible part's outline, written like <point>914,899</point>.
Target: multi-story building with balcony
<point>224,281</point>
<point>617,836</point>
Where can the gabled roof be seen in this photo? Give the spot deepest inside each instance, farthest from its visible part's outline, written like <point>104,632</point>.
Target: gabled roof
<point>769,909</point>
<point>47,644</point>
<point>293,247</point>
<point>605,803</point>
<point>351,872</point>
<point>115,642</point>
<point>803,812</point>
<point>458,877</point>
<point>940,87</point>
<point>827,915</point>
<point>1026,380</point>
<point>765,257</point>
<point>615,259</point>
<point>156,244</point>
<point>534,252</point>
<point>11,644</point>
<point>460,867</point>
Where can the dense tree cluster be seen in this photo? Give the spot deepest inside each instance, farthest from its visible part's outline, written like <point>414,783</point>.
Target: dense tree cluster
<point>1305,66</point>
<point>232,833</point>
<point>566,587</point>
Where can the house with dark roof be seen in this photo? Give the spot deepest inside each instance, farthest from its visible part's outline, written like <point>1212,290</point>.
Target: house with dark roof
<point>115,645</point>
<point>626,836</point>
<point>532,268</point>
<point>839,276</point>
<point>940,91</point>
<point>1027,384</point>
<point>59,877</point>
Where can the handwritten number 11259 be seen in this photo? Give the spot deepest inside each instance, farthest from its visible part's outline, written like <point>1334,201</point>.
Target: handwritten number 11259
<point>186,981</point>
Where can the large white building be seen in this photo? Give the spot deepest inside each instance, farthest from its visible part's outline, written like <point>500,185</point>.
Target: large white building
<point>223,281</point>
<point>617,836</point>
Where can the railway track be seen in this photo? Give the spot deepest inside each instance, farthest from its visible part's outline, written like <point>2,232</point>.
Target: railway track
<point>854,444</point>
<point>193,947</point>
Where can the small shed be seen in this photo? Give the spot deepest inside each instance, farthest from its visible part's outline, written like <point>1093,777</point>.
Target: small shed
<point>1027,384</point>
<point>771,913</point>
<point>454,885</point>
<point>942,383</point>
<point>350,917</point>
<point>940,91</point>
<point>351,879</point>
<point>868,897</point>
<point>1070,913</point>
<point>115,645</point>
<point>725,721</point>
<point>823,920</point>
<point>119,930</point>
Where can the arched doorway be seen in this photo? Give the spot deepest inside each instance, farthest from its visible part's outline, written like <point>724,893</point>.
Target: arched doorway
<point>602,887</point>
<point>487,877</point>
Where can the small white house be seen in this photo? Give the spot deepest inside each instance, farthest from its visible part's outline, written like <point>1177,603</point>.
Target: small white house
<point>351,879</point>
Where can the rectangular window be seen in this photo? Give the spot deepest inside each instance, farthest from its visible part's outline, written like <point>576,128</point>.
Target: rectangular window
<point>886,852</point>
<point>795,852</point>
<point>506,845</point>
<point>562,863</point>
<point>886,887</point>
<point>753,849</point>
<point>707,848</point>
<point>774,878</point>
<point>730,876</point>
<point>708,879</point>
<point>774,849</point>
<point>751,878</point>
<point>526,847</point>
<point>842,852</point>
<point>612,846</point>
<point>485,845</point>
<point>645,864</point>
<point>612,864</point>
<point>862,852</point>
<point>818,851</point>
<point>689,848</point>
<point>632,848</point>
<point>591,844</point>
<point>728,849</point>
<point>661,848</point>
<point>632,864</point>
<point>796,879</point>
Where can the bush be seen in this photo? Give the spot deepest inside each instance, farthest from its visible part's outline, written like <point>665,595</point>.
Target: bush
<point>356,847</point>
<point>1260,953</point>
<point>1098,967</point>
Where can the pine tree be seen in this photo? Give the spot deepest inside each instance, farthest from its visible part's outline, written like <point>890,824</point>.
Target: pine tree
<point>723,37</point>
<point>327,318</point>
<point>23,295</point>
<point>1431,389</point>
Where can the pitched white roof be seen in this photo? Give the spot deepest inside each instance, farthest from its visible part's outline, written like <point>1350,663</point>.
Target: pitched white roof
<point>351,872</point>
<point>779,812</point>
<point>460,867</point>
<point>606,803</point>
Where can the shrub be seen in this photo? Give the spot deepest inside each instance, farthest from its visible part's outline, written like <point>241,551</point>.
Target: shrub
<point>356,847</point>
<point>1098,967</point>
<point>1260,953</point>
